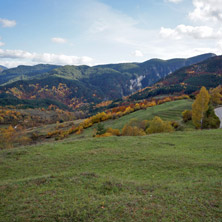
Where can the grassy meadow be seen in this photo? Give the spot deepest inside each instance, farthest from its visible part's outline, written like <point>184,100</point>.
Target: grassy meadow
<point>159,177</point>
<point>167,111</point>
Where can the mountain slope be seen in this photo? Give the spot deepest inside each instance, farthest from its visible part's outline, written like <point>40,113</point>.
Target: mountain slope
<point>186,80</point>
<point>24,72</point>
<point>69,92</point>
<point>84,85</point>
<point>2,68</point>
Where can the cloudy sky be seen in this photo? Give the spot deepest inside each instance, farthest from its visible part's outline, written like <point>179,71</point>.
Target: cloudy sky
<point>107,31</point>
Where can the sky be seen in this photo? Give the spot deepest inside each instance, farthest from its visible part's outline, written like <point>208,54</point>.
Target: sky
<point>91,32</point>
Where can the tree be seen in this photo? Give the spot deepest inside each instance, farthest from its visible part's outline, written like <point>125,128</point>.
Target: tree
<point>132,131</point>
<point>113,132</point>
<point>187,115</point>
<point>157,125</point>
<point>100,129</point>
<point>8,137</point>
<point>199,107</point>
<point>127,130</point>
<point>210,119</point>
<point>216,95</point>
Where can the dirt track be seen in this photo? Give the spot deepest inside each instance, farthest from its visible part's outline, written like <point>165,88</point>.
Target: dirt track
<point>218,112</point>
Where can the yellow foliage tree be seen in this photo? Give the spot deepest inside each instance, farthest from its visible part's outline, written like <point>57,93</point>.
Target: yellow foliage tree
<point>216,95</point>
<point>187,115</point>
<point>137,106</point>
<point>114,132</point>
<point>132,131</point>
<point>8,137</point>
<point>199,107</point>
<point>157,125</point>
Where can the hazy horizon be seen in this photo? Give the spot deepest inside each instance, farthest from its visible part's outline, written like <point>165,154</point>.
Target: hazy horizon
<point>93,32</point>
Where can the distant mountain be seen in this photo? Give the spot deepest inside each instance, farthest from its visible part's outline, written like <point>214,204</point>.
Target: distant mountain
<point>8,99</point>
<point>24,72</point>
<point>75,86</point>
<point>186,80</point>
<point>2,68</point>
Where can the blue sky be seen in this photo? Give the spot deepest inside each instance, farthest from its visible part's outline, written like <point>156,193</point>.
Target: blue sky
<point>94,32</point>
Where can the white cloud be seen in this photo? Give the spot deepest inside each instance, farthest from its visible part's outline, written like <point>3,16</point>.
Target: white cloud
<point>7,23</point>
<point>113,36</point>
<point>219,44</point>
<point>13,63</point>
<point>169,33</point>
<point>35,58</point>
<point>206,10</point>
<point>1,43</point>
<point>115,32</point>
<point>138,53</point>
<point>197,32</point>
<point>59,40</point>
<point>105,24</point>
<point>203,37</point>
<point>175,1</point>
<point>15,54</point>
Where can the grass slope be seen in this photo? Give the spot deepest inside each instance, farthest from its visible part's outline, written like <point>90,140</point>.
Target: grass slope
<point>167,111</point>
<point>162,177</point>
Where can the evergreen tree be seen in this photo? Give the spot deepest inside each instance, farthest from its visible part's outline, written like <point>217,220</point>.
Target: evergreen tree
<point>210,119</point>
<point>100,129</point>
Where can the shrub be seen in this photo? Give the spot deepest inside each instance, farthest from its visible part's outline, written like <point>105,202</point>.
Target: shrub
<point>187,115</point>
<point>157,125</point>
<point>132,131</point>
<point>210,120</point>
<point>24,140</point>
<point>100,129</point>
<point>105,135</point>
<point>114,132</point>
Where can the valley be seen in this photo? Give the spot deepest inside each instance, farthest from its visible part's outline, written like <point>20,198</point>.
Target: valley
<point>68,153</point>
<point>111,111</point>
<point>84,86</point>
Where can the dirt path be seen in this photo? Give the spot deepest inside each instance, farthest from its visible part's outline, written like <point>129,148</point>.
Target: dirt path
<point>218,112</point>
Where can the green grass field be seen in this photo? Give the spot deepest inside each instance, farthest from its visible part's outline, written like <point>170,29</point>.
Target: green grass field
<point>167,111</point>
<point>160,177</point>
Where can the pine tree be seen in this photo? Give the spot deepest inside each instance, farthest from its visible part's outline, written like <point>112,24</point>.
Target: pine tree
<point>100,129</point>
<point>199,107</point>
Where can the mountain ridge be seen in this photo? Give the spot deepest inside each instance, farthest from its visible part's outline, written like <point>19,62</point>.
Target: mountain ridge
<point>186,80</point>
<point>76,86</point>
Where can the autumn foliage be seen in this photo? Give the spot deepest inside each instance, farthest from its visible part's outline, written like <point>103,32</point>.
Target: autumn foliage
<point>130,129</point>
<point>187,115</point>
<point>199,107</point>
<point>157,125</point>
<point>216,95</point>
<point>10,136</point>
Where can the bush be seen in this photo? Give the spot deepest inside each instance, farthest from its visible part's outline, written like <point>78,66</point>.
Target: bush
<point>187,115</point>
<point>113,132</point>
<point>210,120</point>
<point>157,125</point>
<point>100,129</point>
<point>175,124</point>
<point>24,140</point>
<point>132,131</point>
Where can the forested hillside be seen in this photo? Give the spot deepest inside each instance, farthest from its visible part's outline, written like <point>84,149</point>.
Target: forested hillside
<point>77,86</point>
<point>186,80</point>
